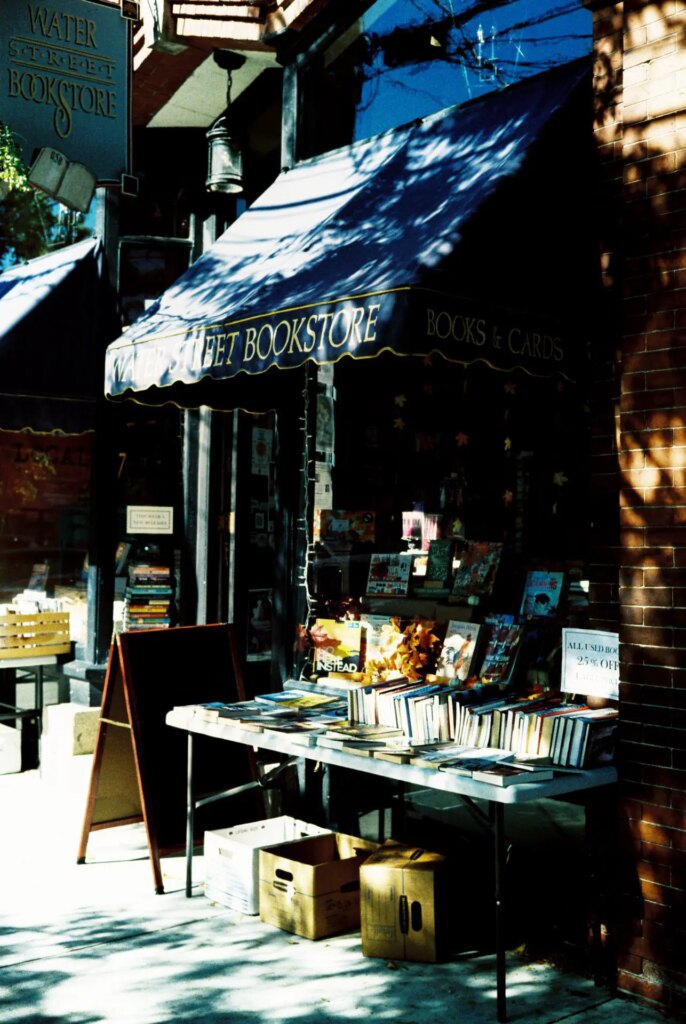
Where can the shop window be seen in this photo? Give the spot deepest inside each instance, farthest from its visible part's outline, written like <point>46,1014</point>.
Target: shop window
<point>44,519</point>
<point>479,456</point>
<point>405,59</point>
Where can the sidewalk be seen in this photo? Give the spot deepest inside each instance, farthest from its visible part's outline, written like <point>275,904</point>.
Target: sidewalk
<point>93,944</point>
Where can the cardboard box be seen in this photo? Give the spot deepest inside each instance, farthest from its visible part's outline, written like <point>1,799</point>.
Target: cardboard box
<point>312,888</point>
<point>402,903</point>
<point>232,858</point>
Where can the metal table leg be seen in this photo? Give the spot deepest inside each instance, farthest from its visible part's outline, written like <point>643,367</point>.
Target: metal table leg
<point>190,815</point>
<point>499,891</point>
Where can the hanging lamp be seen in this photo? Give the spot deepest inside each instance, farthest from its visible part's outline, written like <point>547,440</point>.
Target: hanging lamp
<point>224,158</point>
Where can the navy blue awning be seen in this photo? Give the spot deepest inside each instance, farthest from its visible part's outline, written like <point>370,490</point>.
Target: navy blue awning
<point>357,252</point>
<point>57,313</point>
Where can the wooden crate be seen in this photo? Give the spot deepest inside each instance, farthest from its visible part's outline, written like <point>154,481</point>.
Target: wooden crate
<point>34,635</point>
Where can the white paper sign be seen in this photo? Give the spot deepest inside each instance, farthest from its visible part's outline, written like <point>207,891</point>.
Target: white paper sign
<point>149,519</point>
<point>590,663</point>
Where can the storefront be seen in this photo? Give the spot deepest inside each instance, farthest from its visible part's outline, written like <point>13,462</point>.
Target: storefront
<point>412,325</point>
<point>57,316</point>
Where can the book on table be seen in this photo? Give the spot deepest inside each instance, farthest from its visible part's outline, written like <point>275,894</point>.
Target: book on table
<point>442,755</point>
<point>510,774</point>
<point>600,741</point>
<point>300,699</point>
<point>592,738</point>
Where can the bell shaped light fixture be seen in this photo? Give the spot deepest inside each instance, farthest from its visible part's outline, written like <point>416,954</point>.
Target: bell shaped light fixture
<point>224,159</point>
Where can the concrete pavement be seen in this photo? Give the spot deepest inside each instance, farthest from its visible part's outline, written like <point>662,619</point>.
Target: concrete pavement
<point>93,943</point>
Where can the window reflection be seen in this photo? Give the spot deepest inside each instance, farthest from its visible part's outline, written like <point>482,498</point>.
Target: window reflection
<point>408,58</point>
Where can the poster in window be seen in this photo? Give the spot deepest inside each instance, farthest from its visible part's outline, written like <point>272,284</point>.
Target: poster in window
<point>259,646</point>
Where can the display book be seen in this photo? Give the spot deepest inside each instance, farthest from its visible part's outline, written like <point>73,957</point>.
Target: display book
<point>469,699</point>
<point>149,596</point>
<point>544,732</point>
<point>545,726</point>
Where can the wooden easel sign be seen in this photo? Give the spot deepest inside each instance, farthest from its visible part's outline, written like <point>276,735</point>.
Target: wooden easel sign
<point>139,763</point>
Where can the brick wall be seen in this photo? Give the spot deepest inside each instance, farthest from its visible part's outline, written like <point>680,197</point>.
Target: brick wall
<point>640,82</point>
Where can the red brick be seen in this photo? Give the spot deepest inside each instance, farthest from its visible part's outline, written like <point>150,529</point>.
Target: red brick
<point>638,986</point>
<point>664,617</point>
<point>644,635</point>
<point>656,894</point>
<point>665,855</point>
<point>648,597</point>
<point>665,816</point>
<point>629,962</point>
<point>658,874</point>
<point>660,776</point>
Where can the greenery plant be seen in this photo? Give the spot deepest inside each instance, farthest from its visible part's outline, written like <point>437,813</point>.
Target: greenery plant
<point>14,175</point>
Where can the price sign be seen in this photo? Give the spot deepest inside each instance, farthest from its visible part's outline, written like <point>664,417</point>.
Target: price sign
<point>590,663</point>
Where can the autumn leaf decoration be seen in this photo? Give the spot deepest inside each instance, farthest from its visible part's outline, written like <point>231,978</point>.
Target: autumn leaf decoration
<point>411,652</point>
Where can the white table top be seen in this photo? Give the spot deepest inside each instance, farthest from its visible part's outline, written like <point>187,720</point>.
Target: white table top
<point>567,782</point>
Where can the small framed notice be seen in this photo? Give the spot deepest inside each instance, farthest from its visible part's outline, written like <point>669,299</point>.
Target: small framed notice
<point>149,519</point>
<point>590,663</point>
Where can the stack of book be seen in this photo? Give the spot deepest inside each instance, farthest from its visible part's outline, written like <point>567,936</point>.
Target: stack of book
<point>544,727</point>
<point>149,597</point>
<point>427,712</point>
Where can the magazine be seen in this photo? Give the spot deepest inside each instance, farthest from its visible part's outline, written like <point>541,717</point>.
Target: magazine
<point>477,570</point>
<point>457,651</point>
<point>389,574</point>
<point>542,592</point>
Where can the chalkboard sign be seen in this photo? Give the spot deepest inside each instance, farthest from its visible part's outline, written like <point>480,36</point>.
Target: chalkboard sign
<point>139,762</point>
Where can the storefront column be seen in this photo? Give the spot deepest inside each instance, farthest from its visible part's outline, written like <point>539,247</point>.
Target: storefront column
<point>639,127</point>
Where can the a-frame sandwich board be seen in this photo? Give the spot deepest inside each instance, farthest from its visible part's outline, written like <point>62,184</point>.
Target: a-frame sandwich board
<point>139,762</point>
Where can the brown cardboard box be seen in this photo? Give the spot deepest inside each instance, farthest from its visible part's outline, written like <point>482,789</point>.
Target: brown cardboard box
<point>312,887</point>
<point>402,901</point>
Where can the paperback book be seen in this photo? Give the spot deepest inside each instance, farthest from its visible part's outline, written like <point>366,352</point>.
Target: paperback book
<point>344,653</point>
<point>372,636</point>
<point>502,650</point>
<point>457,652</point>
<point>300,700</point>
